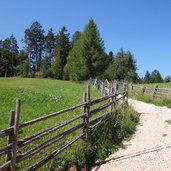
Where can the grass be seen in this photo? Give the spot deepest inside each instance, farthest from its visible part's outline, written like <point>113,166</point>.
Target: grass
<point>163,101</point>
<point>40,97</point>
<point>161,85</point>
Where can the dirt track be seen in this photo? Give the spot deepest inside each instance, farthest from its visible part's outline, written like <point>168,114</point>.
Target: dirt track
<point>150,147</point>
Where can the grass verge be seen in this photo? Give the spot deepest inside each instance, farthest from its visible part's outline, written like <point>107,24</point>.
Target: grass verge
<point>102,142</point>
<point>148,99</point>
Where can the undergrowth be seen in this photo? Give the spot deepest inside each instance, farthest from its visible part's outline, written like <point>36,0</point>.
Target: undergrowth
<point>103,141</point>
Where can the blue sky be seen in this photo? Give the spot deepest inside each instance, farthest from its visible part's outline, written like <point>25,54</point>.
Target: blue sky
<point>140,26</point>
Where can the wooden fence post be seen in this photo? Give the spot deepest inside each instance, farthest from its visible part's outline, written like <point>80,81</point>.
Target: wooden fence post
<point>132,86</point>
<point>143,90</point>
<point>88,110</point>
<point>16,129</point>
<point>110,100</point>
<point>155,92</point>
<point>102,88</point>
<point>114,92</point>
<point>84,111</point>
<point>11,135</point>
<point>115,88</point>
<point>124,87</point>
<point>126,99</point>
<point>95,83</point>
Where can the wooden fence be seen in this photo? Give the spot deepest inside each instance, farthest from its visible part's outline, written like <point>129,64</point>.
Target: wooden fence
<point>107,87</point>
<point>155,92</point>
<point>86,126</point>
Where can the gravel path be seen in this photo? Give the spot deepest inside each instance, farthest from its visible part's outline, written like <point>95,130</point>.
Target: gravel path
<point>150,147</point>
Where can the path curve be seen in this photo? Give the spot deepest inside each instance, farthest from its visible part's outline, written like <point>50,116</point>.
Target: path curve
<point>150,147</point>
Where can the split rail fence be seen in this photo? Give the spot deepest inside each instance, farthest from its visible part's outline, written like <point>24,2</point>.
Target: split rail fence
<point>155,92</point>
<point>86,126</point>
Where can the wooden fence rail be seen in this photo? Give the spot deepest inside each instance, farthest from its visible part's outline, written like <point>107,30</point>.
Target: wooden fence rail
<point>155,92</point>
<point>87,125</point>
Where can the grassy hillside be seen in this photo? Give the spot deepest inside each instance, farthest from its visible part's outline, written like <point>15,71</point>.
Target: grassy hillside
<point>38,97</point>
<point>43,96</point>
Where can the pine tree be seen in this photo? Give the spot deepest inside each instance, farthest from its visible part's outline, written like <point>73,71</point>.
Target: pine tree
<point>8,61</point>
<point>75,37</point>
<point>34,39</point>
<point>50,45</point>
<point>14,51</point>
<point>87,57</point>
<point>62,49</point>
<point>147,77</point>
<point>123,67</point>
<point>167,79</point>
<point>156,77</point>
<point>23,63</point>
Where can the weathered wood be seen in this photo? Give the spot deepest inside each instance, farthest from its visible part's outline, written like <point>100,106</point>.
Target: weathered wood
<point>47,143</point>
<point>126,101</point>
<point>114,97</point>
<point>93,102</point>
<point>95,83</point>
<point>124,87</point>
<point>84,111</point>
<point>53,154</point>
<point>94,111</point>
<point>34,137</point>
<point>115,88</point>
<point>167,89</point>
<point>163,93</point>
<point>143,90</point>
<point>155,91</point>
<point>87,112</point>
<point>148,90</point>
<point>110,100</point>
<point>5,166</point>
<point>6,132</point>
<point>15,136</point>
<point>102,88</point>
<point>5,150</point>
<point>51,115</point>
<point>132,86</point>
<point>11,135</point>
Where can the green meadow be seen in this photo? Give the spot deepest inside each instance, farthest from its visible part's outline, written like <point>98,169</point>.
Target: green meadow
<point>40,97</point>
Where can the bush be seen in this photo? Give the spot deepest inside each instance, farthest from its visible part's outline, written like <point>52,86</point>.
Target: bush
<point>103,141</point>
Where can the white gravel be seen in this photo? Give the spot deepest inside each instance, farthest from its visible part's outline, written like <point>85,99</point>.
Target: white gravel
<point>150,147</point>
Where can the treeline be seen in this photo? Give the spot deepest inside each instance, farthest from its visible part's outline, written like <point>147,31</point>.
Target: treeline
<point>63,56</point>
<point>155,77</point>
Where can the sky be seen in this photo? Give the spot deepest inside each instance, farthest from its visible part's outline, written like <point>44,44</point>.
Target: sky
<point>141,26</point>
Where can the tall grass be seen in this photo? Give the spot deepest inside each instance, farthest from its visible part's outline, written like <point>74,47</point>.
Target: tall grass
<point>160,101</point>
<point>103,141</point>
